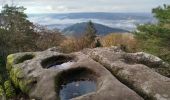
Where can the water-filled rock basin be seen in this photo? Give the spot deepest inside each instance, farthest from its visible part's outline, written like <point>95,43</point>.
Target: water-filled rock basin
<point>76,82</point>
<point>58,62</point>
<point>77,88</point>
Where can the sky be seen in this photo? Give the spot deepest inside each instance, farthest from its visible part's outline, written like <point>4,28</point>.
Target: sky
<point>69,6</point>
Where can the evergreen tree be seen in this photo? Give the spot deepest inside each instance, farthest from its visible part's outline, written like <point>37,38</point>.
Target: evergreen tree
<point>155,38</point>
<point>162,14</point>
<point>90,32</point>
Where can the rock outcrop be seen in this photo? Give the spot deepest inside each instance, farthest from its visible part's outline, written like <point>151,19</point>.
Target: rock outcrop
<point>135,70</point>
<point>116,75</point>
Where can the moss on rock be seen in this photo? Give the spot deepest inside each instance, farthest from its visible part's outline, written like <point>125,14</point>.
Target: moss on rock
<point>10,91</point>
<point>10,61</point>
<point>24,86</point>
<point>18,58</point>
<point>1,91</point>
<point>16,72</point>
<point>13,76</point>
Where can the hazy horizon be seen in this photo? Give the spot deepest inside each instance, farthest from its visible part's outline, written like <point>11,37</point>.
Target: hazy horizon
<point>76,6</point>
<point>126,21</point>
<point>90,12</point>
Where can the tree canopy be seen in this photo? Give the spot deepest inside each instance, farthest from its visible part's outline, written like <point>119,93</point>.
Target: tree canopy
<point>155,38</point>
<point>15,20</point>
<point>162,14</point>
<point>16,31</point>
<point>16,35</point>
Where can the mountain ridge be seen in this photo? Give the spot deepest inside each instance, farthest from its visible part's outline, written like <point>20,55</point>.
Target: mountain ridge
<point>79,28</point>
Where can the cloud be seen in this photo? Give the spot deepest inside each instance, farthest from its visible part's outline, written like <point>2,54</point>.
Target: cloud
<point>63,23</point>
<point>62,6</point>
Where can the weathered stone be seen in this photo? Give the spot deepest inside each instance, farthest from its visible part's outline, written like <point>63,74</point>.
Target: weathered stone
<point>40,76</point>
<point>134,70</point>
<point>149,60</point>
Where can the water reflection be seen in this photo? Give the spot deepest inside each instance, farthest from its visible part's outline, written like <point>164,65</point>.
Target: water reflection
<point>77,88</point>
<point>63,65</point>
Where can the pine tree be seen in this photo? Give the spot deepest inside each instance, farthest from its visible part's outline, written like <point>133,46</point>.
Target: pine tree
<point>155,38</point>
<point>90,32</point>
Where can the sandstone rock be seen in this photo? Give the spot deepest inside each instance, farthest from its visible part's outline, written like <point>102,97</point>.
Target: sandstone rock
<point>41,75</point>
<point>149,60</point>
<point>134,70</point>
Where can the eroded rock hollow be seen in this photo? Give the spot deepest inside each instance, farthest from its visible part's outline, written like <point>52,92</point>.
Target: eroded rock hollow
<point>92,74</point>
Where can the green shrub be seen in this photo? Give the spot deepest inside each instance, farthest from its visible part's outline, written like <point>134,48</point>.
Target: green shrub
<point>155,38</point>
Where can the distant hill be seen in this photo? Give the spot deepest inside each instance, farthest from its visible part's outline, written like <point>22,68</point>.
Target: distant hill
<point>79,28</point>
<point>127,21</point>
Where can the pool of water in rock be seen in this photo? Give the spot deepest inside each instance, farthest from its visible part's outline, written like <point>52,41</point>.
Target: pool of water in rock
<point>63,65</point>
<point>76,89</point>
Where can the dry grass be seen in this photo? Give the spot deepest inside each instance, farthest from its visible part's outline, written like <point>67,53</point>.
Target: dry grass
<point>72,44</point>
<point>126,41</point>
<point>48,39</point>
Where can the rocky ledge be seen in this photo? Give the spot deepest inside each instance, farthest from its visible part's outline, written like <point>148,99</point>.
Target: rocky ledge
<point>92,74</point>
